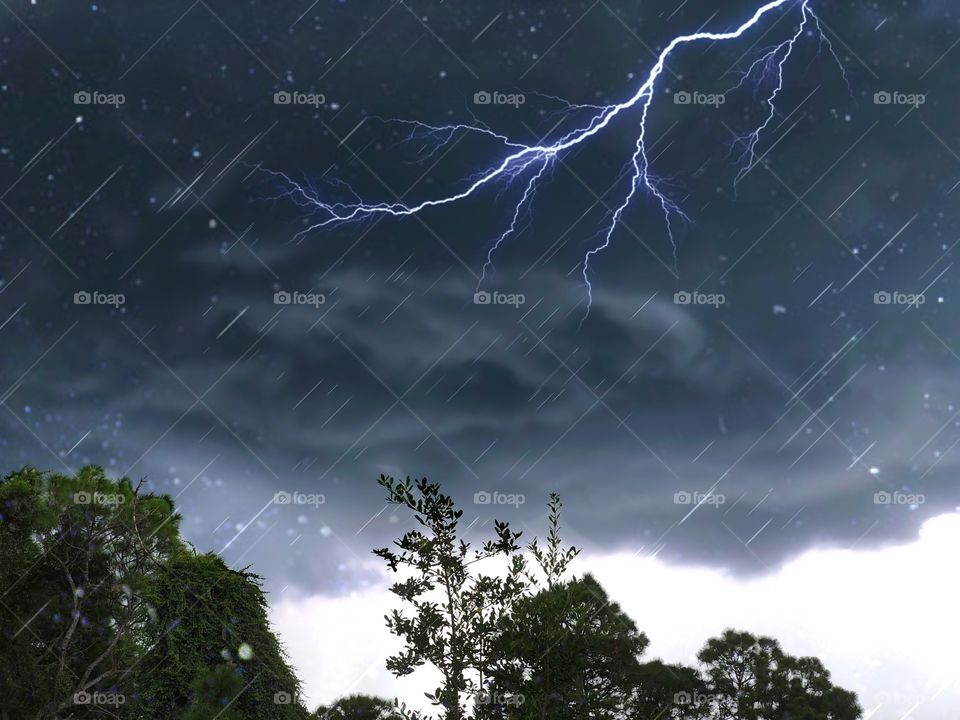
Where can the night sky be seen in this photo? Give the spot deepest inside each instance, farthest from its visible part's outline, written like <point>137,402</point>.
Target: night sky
<point>797,400</point>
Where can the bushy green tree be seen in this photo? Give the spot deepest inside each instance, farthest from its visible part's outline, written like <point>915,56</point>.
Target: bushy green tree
<point>207,614</point>
<point>104,611</point>
<point>77,556</point>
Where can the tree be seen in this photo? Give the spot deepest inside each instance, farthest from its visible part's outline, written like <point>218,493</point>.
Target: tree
<point>457,611</point>
<point>569,652</point>
<point>751,678</point>
<point>667,692</point>
<point>206,615</point>
<point>808,694</point>
<point>105,612</point>
<point>545,647</point>
<point>357,707</point>
<point>76,558</point>
<point>482,632</point>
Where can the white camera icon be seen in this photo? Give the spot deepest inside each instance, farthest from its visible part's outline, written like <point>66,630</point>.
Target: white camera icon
<point>482,98</point>
<point>882,498</point>
<point>682,98</point>
<point>482,498</point>
<point>82,98</point>
<point>282,698</point>
<point>82,298</point>
<point>282,97</point>
<point>482,298</point>
<point>282,298</point>
<point>682,298</point>
<point>282,498</point>
<point>882,98</point>
<point>882,298</point>
<point>82,698</point>
<point>682,498</point>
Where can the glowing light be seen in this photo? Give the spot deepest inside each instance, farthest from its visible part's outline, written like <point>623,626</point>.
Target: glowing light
<point>535,161</point>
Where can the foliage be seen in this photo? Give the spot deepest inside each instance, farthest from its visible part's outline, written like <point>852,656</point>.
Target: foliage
<point>661,691</point>
<point>536,646</point>
<point>751,678</point>
<point>214,693</point>
<point>77,554</point>
<point>357,707</point>
<point>570,652</point>
<point>457,611</point>
<point>208,614</point>
<point>104,611</point>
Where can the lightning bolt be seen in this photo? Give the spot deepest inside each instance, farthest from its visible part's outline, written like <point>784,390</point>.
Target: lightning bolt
<point>782,51</point>
<point>536,160</point>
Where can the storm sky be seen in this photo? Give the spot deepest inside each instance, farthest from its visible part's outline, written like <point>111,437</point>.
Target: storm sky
<point>820,415</point>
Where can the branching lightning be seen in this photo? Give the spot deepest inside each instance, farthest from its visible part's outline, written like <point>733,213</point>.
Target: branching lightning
<point>535,161</point>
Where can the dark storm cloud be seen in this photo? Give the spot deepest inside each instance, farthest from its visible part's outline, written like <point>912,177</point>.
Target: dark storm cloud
<point>214,393</point>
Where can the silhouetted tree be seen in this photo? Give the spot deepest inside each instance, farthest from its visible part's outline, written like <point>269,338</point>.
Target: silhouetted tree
<point>534,646</point>
<point>751,678</point>
<point>357,707</point>
<point>569,652</point>
<point>667,692</point>
<point>456,610</point>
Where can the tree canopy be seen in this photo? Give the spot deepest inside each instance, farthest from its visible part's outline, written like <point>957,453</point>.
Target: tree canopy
<point>357,707</point>
<point>105,610</point>
<point>211,623</point>
<point>535,644</point>
<point>77,557</point>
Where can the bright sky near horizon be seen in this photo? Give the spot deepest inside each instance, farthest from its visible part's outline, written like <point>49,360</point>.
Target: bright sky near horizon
<point>882,620</point>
